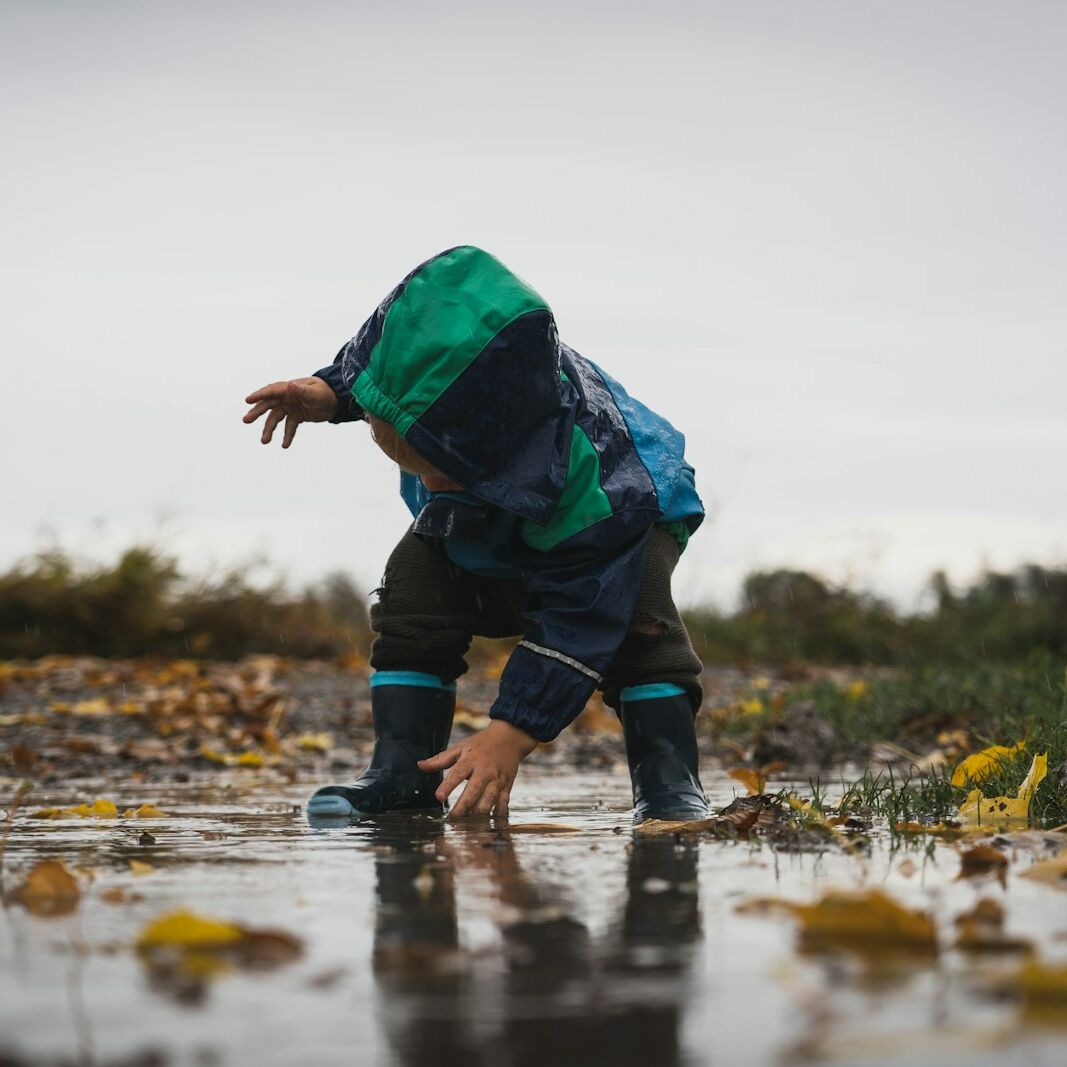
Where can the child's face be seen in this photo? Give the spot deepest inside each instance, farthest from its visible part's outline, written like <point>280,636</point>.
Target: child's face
<point>401,453</point>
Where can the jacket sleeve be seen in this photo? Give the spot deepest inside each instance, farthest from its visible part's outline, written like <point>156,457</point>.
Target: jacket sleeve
<point>582,600</point>
<point>347,408</point>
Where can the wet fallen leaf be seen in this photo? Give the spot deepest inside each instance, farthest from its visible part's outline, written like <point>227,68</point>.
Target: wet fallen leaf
<point>867,921</point>
<point>145,811</point>
<point>248,759</point>
<point>99,809</point>
<point>1042,982</point>
<point>653,827</point>
<point>212,835</point>
<point>981,930</point>
<point>982,860</point>
<point>321,742</point>
<point>907,868</point>
<point>95,706</point>
<point>979,766</point>
<point>195,948</point>
<point>1006,811</point>
<point>751,779</point>
<point>50,889</point>
<point>1051,871</point>
<point>23,759</point>
<point>186,929</point>
<point>118,895</point>
<point>139,867</point>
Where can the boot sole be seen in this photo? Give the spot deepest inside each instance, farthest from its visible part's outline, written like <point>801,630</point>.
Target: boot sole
<point>333,807</point>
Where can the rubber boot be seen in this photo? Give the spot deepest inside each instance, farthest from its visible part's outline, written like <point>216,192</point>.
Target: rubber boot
<point>412,721</point>
<point>661,749</point>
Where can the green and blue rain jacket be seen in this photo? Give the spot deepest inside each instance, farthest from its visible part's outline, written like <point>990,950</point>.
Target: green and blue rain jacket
<point>564,473</point>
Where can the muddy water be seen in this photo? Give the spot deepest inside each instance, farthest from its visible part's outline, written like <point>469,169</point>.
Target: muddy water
<point>433,944</point>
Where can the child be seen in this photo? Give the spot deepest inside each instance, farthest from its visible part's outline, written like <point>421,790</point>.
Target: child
<point>547,503</point>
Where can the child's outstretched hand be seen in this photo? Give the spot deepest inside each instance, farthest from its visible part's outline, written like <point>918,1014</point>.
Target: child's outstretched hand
<point>490,760</point>
<point>296,401</point>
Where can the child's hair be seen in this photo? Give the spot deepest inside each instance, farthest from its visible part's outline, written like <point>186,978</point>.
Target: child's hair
<point>395,447</point>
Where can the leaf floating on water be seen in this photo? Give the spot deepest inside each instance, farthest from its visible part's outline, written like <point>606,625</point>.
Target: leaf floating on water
<point>184,947</point>
<point>1042,983</point>
<point>980,765</point>
<point>118,895</point>
<point>145,811</point>
<point>868,921</point>
<point>982,860</point>
<point>982,930</point>
<point>99,809</point>
<point>652,827</point>
<point>50,889</point>
<point>1051,871</point>
<point>186,929</point>
<point>139,867</point>
<point>1006,811</point>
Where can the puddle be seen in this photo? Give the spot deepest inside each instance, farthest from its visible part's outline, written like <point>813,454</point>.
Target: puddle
<point>427,943</point>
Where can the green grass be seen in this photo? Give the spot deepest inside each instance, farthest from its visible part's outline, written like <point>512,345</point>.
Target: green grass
<point>916,710</point>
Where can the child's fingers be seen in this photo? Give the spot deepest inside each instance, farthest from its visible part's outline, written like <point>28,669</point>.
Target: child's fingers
<point>468,798</point>
<point>487,801</point>
<point>440,761</point>
<point>291,423</point>
<point>274,391</point>
<point>452,779</point>
<point>271,425</point>
<point>254,413</point>
<point>502,802</point>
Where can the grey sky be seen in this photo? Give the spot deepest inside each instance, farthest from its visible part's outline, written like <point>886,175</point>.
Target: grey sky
<point>825,239</point>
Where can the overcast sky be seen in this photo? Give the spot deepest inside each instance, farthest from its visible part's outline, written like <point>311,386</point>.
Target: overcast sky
<point>827,240</point>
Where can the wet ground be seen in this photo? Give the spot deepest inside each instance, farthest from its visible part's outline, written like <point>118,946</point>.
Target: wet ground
<point>411,941</point>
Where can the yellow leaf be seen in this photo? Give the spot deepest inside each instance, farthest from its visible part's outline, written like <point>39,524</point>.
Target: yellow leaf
<point>752,780</point>
<point>1042,982</point>
<point>145,811</point>
<point>855,690</point>
<point>753,706</point>
<point>129,707</point>
<point>96,706</point>
<point>49,889</point>
<point>103,809</point>
<point>868,921</point>
<point>214,755</point>
<point>315,742</point>
<point>979,766</point>
<point>185,929</point>
<point>248,759</point>
<point>139,867</point>
<point>1006,811</point>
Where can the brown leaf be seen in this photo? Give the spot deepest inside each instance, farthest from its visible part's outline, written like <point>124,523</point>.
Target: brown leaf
<point>982,860</point>
<point>23,759</point>
<point>50,889</point>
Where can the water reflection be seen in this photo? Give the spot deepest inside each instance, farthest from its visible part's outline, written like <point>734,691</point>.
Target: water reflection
<point>550,990</point>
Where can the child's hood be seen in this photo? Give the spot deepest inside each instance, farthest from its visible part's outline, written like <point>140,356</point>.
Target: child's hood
<point>463,359</point>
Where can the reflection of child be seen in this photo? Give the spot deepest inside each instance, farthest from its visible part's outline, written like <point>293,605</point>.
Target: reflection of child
<point>549,504</point>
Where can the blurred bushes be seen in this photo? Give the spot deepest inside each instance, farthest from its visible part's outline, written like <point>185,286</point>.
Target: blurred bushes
<point>142,606</point>
<point>791,616</point>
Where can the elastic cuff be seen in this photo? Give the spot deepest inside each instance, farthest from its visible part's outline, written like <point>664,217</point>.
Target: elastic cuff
<point>526,719</point>
<point>412,678</point>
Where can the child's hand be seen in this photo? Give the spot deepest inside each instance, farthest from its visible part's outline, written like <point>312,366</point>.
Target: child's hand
<point>490,759</point>
<point>297,401</point>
